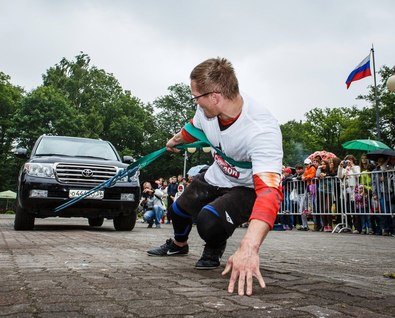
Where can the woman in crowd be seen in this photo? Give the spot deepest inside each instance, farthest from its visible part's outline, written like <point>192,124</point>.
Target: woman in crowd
<point>298,198</point>
<point>365,180</point>
<point>324,194</point>
<point>335,186</point>
<point>315,197</point>
<point>286,182</point>
<point>382,183</point>
<point>348,173</point>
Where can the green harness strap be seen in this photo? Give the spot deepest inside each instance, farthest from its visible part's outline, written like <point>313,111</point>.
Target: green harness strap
<point>200,135</point>
<point>202,142</point>
<point>146,160</point>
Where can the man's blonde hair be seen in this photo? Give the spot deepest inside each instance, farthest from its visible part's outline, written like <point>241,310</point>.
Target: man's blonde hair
<point>216,75</point>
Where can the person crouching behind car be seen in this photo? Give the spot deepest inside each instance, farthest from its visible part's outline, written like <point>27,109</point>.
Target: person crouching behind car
<point>152,205</point>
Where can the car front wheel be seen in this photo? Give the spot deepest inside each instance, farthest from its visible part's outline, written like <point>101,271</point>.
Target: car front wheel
<point>96,221</point>
<point>24,221</point>
<point>125,222</point>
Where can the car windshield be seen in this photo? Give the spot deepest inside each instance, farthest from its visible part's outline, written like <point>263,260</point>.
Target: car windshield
<point>75,147</point>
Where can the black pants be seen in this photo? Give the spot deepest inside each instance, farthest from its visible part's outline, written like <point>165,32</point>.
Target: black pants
<point>216,211</point>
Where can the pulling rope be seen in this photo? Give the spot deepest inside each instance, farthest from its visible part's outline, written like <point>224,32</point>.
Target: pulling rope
<point>131,170</point>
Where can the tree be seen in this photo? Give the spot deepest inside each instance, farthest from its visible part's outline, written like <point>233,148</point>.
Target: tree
<point>10,98</point>
<point>132,127</point>
<point>295,146</point>
<point>173,111</point>
<point>44,111</point>
<point>85,86</point>
<point>386,108</point>
<point>330,127</point>
<point>89,90</point>
<point>104,109</point>
<point>324,129</point>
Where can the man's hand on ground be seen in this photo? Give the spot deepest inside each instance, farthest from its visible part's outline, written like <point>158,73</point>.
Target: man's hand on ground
<point>243,265</point>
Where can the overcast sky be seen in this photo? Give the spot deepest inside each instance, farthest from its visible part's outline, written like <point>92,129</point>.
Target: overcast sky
<point>291,55</point>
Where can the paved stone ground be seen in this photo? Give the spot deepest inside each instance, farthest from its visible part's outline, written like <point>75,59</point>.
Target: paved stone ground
<point>64,268</point>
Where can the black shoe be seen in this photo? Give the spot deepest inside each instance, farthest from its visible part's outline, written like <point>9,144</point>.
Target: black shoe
<point>210,257</point>
<point>149,226</point>
<point>169,249</point>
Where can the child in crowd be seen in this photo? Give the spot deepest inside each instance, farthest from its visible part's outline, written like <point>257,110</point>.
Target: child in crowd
<point>375,219</point>
<point>180,190</point>
<point>287,218</point>
<point>306,198</point>
<point>298,198</point>
<point>361,203</point>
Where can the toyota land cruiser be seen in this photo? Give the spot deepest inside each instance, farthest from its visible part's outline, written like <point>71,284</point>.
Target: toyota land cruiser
<point>60,168</point>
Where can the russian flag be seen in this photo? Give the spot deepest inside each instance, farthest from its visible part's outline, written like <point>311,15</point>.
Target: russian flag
<point>362,70</point>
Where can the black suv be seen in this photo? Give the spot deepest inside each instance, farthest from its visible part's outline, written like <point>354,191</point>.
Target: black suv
<point>61,168</point>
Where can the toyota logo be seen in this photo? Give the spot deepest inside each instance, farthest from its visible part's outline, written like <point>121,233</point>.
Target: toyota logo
<point>87,173</point>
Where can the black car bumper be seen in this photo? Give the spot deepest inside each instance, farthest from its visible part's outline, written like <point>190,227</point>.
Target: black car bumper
<point>110,206</point>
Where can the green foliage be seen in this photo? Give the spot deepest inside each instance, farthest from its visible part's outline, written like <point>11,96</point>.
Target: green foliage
<point>173,111</point>
<point>86,87</point>
<point>386,108</point>
<point>330,127</point>
<point>10,98</point>
<point>44,111</point>
<point>294,145</point>
<point>103,109</point>
<point>325,129</point>
<point>131,126</point>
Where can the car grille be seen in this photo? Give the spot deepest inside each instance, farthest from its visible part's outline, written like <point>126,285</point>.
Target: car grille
<point>70,173</point>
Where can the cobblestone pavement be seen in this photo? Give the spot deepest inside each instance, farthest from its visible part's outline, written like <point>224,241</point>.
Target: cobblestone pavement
<point>64,268</point>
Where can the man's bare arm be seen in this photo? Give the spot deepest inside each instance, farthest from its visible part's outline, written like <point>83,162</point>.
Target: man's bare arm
<point>244,263</point>
<point>174,141</point>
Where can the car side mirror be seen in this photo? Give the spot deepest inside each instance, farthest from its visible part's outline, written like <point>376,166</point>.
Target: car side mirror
<point>128,159</point>
<point>21,153</point>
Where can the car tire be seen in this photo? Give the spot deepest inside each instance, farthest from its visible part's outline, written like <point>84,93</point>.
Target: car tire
<point>95,221</point>
<point>24,221</point>
<point>125,222</point>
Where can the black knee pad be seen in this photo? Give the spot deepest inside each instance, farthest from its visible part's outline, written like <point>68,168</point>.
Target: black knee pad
<point>182,223</point>
<point>210,227</point>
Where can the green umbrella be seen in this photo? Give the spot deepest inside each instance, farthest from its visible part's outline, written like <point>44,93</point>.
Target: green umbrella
<point>365,145</point>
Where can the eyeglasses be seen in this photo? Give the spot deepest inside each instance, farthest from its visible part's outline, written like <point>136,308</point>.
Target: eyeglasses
<point>195,98</point>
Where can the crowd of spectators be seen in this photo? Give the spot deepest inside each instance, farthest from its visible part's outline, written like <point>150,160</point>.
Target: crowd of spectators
<point>322,190</point>
<point>319,190</point>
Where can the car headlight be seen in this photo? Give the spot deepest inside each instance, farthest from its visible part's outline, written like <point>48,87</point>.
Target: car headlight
<point>132,179</point>
<point>42,170</point>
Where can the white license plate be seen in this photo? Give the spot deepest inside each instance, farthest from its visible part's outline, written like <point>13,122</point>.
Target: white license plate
<point>76,193</point>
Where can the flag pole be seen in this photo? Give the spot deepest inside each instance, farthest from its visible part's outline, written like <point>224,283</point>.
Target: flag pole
<point>375,96</point>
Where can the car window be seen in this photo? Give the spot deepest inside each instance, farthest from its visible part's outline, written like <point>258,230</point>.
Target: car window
<point>76,148</point>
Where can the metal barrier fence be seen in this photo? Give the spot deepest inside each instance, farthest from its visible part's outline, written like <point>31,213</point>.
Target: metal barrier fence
<point>355,201</point>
